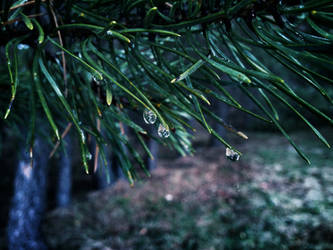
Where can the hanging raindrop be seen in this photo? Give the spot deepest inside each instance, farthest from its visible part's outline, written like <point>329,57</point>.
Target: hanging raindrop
<point>163,132</point>
<point>231,155</point>
<point>149,116</point>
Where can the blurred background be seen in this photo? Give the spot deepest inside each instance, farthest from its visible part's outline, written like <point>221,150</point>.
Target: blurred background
<point>270,198</point>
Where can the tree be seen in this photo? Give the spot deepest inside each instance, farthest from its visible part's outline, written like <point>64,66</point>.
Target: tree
<point>99,65</point>
<point>28,203</point>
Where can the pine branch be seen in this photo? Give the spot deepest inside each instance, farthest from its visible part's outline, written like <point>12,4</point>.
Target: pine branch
<point>166,60</point>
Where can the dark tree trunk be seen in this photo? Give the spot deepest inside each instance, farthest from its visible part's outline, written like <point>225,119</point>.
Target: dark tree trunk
<point>29,201</point>
<point>64,187</point>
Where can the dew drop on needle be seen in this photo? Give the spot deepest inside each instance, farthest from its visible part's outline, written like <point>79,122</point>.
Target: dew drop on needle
<point>231,154</point>
<point>149,116</point>
<point>163,132</point>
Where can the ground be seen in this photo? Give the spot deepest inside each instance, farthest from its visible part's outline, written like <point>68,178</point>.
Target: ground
<point>269,199</point>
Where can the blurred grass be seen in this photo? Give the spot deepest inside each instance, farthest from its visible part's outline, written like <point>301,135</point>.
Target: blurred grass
<point>269,200</point>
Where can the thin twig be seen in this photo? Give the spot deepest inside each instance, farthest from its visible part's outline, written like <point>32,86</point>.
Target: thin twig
<point>62,137</point>
<point>97,147</point>
<point>19,19</point>
<point>22,5</point>
<point>233,130</point>
<point>62,45</point>
<point>98,121</point>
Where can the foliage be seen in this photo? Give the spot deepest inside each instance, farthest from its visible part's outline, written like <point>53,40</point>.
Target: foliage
<point>97,64</point>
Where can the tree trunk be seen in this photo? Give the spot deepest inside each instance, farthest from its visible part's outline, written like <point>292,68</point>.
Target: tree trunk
<point>29,201</point>
<point>64,187</point>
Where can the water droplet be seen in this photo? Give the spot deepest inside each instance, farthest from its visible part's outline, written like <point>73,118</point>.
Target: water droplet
<point>149,116</point>
<point>88,156</point>
<point>231,155</point>
<point>163,132</point>
<point>109,32</point>
<point>22,46</point>
<point>94,77</point>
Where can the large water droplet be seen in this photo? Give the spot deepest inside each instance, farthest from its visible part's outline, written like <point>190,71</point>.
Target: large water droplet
<point>163,132</point>
<point>231,155</point>
<point>149,116</point>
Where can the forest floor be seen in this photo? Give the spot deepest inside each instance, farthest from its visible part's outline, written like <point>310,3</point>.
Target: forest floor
<point>269,199</point>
